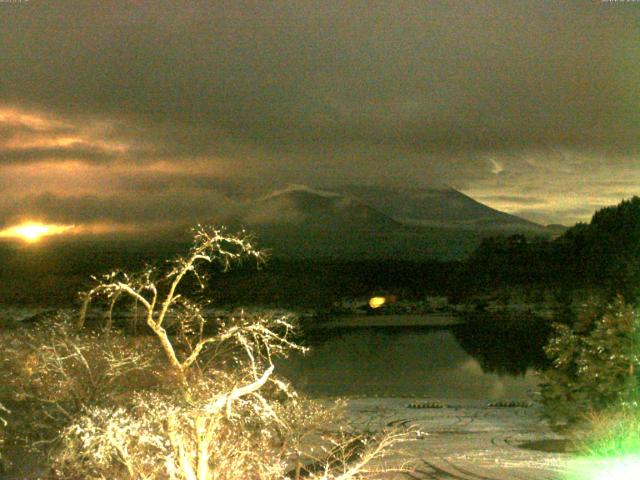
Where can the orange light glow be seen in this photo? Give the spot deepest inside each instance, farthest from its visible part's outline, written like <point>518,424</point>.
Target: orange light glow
<point>377,302</point>
<point>34,120</point>
<point>32,232</point>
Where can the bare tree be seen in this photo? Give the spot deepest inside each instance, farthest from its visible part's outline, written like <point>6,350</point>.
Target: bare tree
<point>234,425</point>
<point>158,294</point>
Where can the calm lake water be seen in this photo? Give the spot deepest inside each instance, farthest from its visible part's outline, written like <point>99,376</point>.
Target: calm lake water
<point>485,359</point>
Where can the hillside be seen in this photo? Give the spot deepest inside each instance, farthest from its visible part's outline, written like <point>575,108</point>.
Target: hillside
<point>437,206</point>
<point>376,223</point>
<point>317,209</point>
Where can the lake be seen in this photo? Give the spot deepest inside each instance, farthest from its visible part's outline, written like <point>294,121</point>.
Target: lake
<point>487,358</point>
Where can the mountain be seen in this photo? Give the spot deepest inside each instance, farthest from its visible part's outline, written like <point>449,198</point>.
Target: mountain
<point>358,223</point>
<point>301,205</point>
<point>437,206</point>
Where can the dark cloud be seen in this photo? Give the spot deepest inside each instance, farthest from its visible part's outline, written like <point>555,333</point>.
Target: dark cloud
<point>304,74</point>
<point>521,200</point>
<point>330,92</point>
<point>152,183</point>
<point>122,209</point>
<point>74,153</point>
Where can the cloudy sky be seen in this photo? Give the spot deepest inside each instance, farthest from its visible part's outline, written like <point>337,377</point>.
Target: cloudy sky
<point>126,113</point>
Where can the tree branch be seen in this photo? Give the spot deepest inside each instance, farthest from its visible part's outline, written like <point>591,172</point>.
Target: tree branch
<point>227,399</point>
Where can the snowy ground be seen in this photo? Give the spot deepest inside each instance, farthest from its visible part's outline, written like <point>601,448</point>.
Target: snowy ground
<point>466,440</point>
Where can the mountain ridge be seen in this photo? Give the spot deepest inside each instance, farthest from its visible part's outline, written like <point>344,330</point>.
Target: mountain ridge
<point>442,205</point>
<point>377,222</point>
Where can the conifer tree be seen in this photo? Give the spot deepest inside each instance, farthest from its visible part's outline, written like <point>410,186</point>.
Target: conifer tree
<point>595,365</point>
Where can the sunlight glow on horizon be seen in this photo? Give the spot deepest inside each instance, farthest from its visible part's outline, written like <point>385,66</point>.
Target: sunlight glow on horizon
<point>32,232</point>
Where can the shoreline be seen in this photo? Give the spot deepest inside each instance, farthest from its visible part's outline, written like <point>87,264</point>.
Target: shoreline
<point>391,320</point>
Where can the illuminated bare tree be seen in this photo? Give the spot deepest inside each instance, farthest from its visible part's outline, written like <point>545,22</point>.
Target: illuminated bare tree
<point>235,425</point>
<point>158,294</point>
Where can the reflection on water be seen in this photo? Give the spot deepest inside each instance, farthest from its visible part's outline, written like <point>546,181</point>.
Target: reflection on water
<point>470,361</point>
<point>505,346</point>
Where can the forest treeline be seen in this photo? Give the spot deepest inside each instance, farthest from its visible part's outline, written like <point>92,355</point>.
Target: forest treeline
<point>603,255</point>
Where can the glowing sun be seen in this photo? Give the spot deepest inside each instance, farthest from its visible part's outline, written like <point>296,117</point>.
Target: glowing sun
<point>33,231</point>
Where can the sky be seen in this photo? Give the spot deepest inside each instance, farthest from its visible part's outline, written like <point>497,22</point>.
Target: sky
<point>123,115</point>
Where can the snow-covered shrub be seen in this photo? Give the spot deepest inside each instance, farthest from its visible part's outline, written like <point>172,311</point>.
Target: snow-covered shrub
<point>595,365</point>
